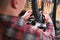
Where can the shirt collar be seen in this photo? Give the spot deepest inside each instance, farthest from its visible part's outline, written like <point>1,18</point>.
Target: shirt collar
<point>8,18</point>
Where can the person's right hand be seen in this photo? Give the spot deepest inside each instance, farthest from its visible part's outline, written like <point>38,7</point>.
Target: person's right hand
<point>46,17</point>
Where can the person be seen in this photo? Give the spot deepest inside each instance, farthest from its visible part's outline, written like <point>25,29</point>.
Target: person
<point>10,28</point>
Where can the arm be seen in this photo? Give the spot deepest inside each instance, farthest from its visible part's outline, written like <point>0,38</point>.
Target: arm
<point>50,31</point>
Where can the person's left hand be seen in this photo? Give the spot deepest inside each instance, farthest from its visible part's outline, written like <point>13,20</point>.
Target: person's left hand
<point>27,14</point>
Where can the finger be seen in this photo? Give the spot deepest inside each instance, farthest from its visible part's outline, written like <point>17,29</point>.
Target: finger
<point>28,11</point>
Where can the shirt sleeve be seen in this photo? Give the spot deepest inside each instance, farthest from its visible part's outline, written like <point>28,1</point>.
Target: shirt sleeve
<point>49,33</point>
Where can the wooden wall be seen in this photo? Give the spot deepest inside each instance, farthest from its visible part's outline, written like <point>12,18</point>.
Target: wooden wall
<point>58,12</point>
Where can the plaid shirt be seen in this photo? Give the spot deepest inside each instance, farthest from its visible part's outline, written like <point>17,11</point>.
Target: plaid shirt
<point>11,30</point>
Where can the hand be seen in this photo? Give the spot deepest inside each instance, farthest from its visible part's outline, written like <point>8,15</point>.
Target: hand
<point>46,17</point>
<point>27,14</point>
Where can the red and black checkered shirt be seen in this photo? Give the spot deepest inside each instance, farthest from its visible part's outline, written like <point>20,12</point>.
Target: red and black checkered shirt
<point>11,30</point>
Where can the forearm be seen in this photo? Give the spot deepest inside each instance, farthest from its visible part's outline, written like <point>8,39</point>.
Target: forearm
<point>50,28</point>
